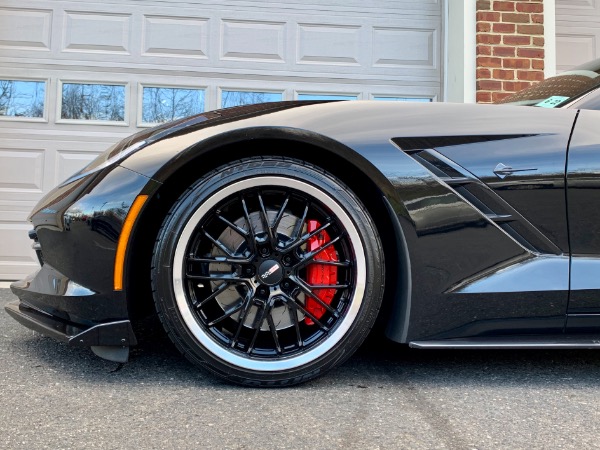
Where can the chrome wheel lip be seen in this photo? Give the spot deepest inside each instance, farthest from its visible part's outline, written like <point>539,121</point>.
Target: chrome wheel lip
<point>284,363</point>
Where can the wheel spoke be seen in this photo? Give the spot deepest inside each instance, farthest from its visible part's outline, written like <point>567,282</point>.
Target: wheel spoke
<point>233,226</point>
<point>249,223</point>
<point>217,291</point>
<point>265,220</point>
<point>332,263</point>
<point>308,257</point>
<point>294,317</point>
<point>266,309</point>
<point>218,243</point>
<point>294,304</point>
<point>274,333</point>
<point>218,276</point>
<point>279,215</point>
<point>218,259</point>
<point>328,286</point>
<point>308,290</point>
<point>242,318</point>
<point>228,313</point>
<point>307,236</point>
<point>300,224</point>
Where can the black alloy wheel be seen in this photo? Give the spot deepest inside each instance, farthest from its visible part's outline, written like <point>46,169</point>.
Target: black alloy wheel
<point>268,272</point>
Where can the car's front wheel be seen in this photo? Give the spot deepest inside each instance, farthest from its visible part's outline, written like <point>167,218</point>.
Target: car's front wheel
<point>268,271</point>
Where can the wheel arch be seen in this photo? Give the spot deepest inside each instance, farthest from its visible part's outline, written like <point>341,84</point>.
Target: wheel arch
<point>373,189</point>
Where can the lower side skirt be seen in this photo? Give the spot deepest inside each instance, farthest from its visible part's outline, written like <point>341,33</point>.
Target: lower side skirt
<point>514,342</point>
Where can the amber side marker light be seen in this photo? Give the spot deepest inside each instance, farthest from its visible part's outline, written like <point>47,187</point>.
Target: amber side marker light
<point>133,213</point>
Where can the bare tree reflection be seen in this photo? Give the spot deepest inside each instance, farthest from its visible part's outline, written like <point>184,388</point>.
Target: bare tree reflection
<point>22,98</point>
<point>165,104</point>
<point>93,102</point>
<point>236,98</point>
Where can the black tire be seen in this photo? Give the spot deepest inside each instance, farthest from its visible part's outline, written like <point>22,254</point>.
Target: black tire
<point>233,272</point>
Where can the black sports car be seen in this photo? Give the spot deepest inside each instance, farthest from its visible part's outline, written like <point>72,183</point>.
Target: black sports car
<point>269,238</point>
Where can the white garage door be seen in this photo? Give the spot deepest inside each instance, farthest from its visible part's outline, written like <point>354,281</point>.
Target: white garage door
<point>75,76</point>
<point>577,32</point>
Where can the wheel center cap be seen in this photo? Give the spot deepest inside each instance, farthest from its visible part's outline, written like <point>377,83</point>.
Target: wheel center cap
<point>270,272</point>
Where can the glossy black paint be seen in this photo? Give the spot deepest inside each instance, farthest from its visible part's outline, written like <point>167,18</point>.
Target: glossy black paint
<point>583,180</point>
<point>479,254</point>
<point>436,221</point>
<point>78,225</point>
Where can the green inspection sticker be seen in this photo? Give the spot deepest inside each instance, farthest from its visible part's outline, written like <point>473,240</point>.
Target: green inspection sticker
<point>552,102</point>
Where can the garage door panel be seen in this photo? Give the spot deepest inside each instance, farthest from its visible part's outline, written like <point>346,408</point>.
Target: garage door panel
<point>577,32</point>
<point>576,7</point>
<point>16,255</point>
<point>184,37</point>
<point>96,32</point>
<point>21,170</point>
<point>25,29</point>
<point>575,49</point>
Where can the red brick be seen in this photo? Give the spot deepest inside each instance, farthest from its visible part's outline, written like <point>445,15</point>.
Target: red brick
<point>531,30</point>
<point>537,18</point>
<point>539,41</point>
<point>504,51</point>
<point>515,86</point>
<point>537,64</point>
<point>504,6</point>
<point>530,52</point>
<point>489,85</point>
<point>530,75</point>
<point>484,50</point>
<point>516,40</point>
<point>504,28</point>
<point>486,61</point>
<point>516,63</point>
<point>484,38</point>
<point>483,74</point>
<point>529,7</point>
<point>484,16</point>
<point>483,5</point>
<point>488,39</point>
<point>500,74</point>
<point>484,97</point>
<point>497,96</point>
<point>484,27</point>
<point>515,18</point>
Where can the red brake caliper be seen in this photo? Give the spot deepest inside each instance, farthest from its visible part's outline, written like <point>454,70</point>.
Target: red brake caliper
<point>320,274</point>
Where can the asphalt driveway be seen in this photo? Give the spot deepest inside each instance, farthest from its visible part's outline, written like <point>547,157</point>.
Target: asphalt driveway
<point>386,396</point>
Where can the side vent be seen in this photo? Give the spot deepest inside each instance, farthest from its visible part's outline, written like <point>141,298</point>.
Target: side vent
<point>482,197</point>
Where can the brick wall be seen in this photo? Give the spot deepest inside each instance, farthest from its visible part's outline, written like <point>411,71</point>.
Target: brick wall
<point>510,47</point>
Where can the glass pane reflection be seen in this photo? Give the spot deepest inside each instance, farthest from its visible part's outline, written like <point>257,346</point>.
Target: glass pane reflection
<point>236,98</point>
<point>326,97</point>
<point>93,102</point>
<point>22,98</point>
<point>162,104</point>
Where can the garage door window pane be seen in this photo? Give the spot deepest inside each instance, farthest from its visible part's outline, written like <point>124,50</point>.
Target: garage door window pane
<point>22,98</point>
<point>325,97</point>
<point>93,102</point>
<point>162,104</point>
<point>236,98</point>
<point>404,99</point>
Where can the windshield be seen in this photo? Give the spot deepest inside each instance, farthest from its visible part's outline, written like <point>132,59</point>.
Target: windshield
<point>561,89</point>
